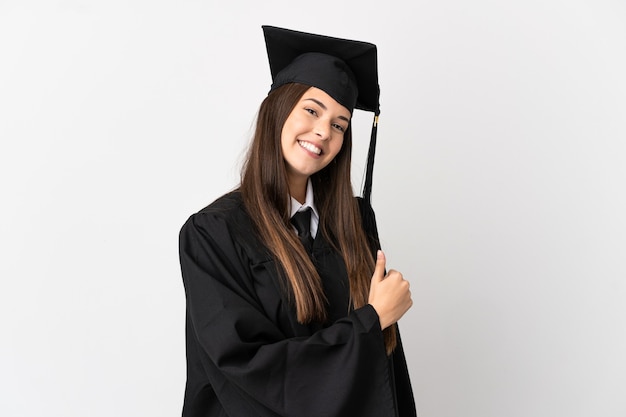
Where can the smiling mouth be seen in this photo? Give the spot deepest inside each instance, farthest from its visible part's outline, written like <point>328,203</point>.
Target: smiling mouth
<point>310,147</point>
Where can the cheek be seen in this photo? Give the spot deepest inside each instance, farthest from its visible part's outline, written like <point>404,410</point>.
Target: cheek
<point>283,137</point>
<point>286,134</point>
<point>294,121</point>
<point>336,147</point>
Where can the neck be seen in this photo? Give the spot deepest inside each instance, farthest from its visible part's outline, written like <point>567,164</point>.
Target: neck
<point>297,188</point>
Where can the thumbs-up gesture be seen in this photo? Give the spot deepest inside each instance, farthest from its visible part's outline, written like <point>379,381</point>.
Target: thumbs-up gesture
<point>389,294</point>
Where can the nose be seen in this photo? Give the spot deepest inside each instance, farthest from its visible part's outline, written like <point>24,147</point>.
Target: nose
<point>322,130</point>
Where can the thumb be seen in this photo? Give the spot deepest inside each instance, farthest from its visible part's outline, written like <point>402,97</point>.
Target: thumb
<point>379,270</point>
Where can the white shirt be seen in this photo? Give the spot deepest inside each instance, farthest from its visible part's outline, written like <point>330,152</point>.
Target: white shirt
<point>308,202</point>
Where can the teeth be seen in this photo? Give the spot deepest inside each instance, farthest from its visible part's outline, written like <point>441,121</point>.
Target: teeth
<point>310,147</point>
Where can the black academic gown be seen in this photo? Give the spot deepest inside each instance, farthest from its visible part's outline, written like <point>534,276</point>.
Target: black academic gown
<point>246,353</point>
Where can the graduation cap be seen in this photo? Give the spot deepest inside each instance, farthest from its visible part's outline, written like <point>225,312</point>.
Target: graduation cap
<point>347,70</point>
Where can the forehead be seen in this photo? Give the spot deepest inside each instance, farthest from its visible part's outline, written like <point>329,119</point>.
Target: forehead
<point>326,101</point>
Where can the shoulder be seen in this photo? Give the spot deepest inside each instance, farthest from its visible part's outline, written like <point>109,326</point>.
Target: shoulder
<point>210,229</point>
<point>223,223</point>
<point>228,208</point>
<point>227,204</point>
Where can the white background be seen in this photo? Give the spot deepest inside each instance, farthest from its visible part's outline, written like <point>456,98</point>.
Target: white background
<point>499,191</point>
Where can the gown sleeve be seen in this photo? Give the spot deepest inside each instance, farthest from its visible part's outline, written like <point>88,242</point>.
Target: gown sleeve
<point>252,367</point>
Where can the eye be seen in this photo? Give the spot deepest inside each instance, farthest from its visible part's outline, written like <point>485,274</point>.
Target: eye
<point>338,127</point>
<point>310,111</point>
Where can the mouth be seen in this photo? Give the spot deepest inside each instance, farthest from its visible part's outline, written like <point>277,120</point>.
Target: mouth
<point>310,147</point>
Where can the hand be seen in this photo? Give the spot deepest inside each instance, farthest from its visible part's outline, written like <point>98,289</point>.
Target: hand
<point>389,294</point>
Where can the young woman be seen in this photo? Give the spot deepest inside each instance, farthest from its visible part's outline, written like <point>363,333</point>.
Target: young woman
<point>287,318</point>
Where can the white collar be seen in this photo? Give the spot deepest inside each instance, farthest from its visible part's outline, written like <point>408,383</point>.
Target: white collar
<point>308,202</point>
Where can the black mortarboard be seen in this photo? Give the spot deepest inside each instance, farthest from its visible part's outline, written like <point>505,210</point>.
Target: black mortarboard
<point>346,70</point>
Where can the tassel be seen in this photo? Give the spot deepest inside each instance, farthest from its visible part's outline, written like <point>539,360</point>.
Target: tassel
<point>371,153</point>
<point>365,202</point>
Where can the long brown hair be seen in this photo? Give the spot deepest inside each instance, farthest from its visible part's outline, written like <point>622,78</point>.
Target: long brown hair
<point>265,193</point>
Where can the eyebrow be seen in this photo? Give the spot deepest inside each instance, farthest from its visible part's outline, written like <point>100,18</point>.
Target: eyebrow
<point>323,106</point>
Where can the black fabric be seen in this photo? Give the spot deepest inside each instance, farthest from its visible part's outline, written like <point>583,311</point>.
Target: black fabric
<point>246,353</point>
<point>302,222</point>
<point>325,72</point>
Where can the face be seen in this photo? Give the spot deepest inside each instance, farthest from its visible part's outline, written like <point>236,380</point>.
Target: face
<point>313,134</point>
